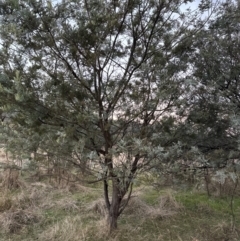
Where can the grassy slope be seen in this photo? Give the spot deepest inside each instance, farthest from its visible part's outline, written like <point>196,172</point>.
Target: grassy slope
<point>41,212</point>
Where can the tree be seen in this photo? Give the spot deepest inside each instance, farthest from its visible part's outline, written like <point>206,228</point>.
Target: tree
<point>89,81</point>
<point>215,83</point>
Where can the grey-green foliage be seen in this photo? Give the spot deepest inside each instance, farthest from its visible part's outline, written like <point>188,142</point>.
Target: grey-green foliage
<point>89,81</point>
<point>212,107</point>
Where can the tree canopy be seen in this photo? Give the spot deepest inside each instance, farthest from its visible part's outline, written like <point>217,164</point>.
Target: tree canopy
<point>215,75</point>
<point>103,85</point>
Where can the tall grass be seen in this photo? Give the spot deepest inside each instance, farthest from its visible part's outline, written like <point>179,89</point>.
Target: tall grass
<point>39,211</point>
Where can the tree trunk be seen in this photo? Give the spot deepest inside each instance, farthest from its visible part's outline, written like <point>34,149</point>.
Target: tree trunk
<point>115,207</point>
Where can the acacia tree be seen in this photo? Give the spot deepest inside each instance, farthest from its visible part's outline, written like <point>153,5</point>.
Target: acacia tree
<point>90,81</point>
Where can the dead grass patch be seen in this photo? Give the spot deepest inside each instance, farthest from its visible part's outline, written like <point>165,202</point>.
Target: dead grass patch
<point>98,206</point>
<point>11,179</point>
<point>85,225</point>
<point>67,204</point>
<point>13,221</point>
<point>68,229</point>
<point>47,198</point>
<point>5,202</point>
<point>18,211</point>
<point>27,207</point>
<point>224,231</point>
<point>165,206</point>
<point>31,196</point>
<point>228,188</point>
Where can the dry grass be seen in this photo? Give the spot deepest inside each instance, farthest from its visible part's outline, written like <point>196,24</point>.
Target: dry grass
<point>138,207</point>
<point>5,202</point>
<point>12,221</point>
<point>97,206</point>
<point>228,188</point>
<point>26,208</point>
<point>3,156</point>
<point>19,211</point>
<point>68,229</point>
<point>166,206</point>
<point>10,179</point>
<point>40,211</point>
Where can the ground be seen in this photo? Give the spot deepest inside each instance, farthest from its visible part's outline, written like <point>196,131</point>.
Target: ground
<point>44,211</point>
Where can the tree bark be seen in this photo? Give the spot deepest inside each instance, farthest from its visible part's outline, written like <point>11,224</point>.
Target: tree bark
<point>114,210</point>
<point>118,192</point>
